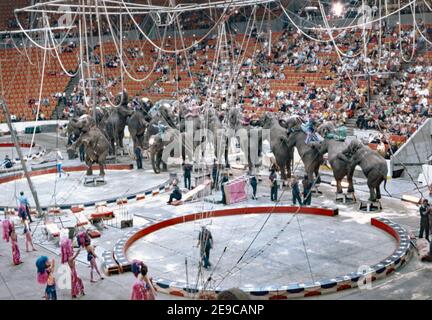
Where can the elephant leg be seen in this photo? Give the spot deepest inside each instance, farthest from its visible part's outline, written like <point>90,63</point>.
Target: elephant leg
<point>339,186</point>
<point>378,192</point>
<point>113,146</point>
<point>120,138</point>
<point>371,187</point>
<point>227,164</point>
<point>89,169</point>
<point>101,170</point>
<point>350,183</point>
<point>317,175</point>
<point>288,168</point>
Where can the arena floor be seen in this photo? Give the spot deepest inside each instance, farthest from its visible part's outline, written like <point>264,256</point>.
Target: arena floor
<point>332,246</point>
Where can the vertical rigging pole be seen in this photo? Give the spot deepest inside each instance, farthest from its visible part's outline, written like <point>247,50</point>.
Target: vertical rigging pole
<point>23,163</point>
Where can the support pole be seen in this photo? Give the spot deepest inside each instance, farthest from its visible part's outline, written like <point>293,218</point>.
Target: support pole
<point>23,163</point>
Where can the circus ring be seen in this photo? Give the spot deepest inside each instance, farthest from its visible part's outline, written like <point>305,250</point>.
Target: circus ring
<point>83,198</point>
<point>396,237</point>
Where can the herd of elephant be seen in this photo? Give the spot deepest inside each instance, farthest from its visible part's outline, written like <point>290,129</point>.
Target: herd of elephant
<point>103,135</point>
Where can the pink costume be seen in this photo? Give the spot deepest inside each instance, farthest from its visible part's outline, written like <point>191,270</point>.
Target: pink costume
<point>16,257</point>
<point>6,224</point>
<point>42,277</point>
<point>77,286</point>
<point>66,250</point>
<point>140,291</point>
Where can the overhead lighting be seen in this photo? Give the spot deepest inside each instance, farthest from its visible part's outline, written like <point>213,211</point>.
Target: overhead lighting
<point>338,9</point>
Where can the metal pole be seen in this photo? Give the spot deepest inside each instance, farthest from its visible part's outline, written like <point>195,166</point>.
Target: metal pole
<point>18,148</point>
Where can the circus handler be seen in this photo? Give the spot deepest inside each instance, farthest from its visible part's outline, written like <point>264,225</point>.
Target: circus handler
<point>205,243</point>
<point>60,169</point>
<point>224,181</point>
<point>22,199</point>
<point>45,271</point>
<point>311,135</point>
<point>254,183</point>
<point>274,185</point>
<point>425,212</point>
<point>143,288</point>
<point>296,192</point>
<point>161,128</point>
<point>175,194</point>
<point>7,163</point>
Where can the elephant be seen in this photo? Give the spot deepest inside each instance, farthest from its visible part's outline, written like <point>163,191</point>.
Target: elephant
<point>279,144</point>
<point>250,138</point>
<point>333,147</point>
<point>311,157</point>
<point>137,125</point>
<point>117,120</point>
<point>158,143</point>
<point>166,117</point>
<point>373,165</point>
<point>96,145</point>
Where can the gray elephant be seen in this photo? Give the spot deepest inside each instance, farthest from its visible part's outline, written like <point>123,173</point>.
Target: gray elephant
<point>165,117</point>
<point>333,146</point>
<point>158,143</point>
<point>284,155</point>
<point>137,126</point>
<point>96,145</point>
<point>311,157</point>
<point>249,138</point>
<point>373,165</point>
<point>117,120</point>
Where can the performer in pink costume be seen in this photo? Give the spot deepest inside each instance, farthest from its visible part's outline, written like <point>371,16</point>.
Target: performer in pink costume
<point>91,257</point>
<point>143,288</point>
<point>28,235</point>
<point>67,255</point>
<point>16,256</point>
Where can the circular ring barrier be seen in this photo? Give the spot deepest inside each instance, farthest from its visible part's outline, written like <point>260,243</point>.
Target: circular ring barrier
<point>295,290</point>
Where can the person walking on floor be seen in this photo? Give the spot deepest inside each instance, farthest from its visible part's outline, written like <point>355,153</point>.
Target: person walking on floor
<point>307,191</point>
<point>28,237</point>
<point>224,181</point>
<point>187,174</point>
<point>254,183</point>
<point>273,185</point>
<point>60,169</point>
<point>425,211</point>
<point>205,243</point>
<point>296,192</point>
<point>138,157</point>
<point>91,257</point>
<point>22,199</point>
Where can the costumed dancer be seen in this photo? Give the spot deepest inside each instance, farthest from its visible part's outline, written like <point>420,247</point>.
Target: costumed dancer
<point>67,255</point>
<point>143,288</point>
<point>45,271</point>
<point>7,225</point>
<point>91,257</point>
<point>28,236</point>
<point>16,255</point>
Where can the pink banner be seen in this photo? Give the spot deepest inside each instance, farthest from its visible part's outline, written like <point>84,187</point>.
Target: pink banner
<point>235,191</point>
